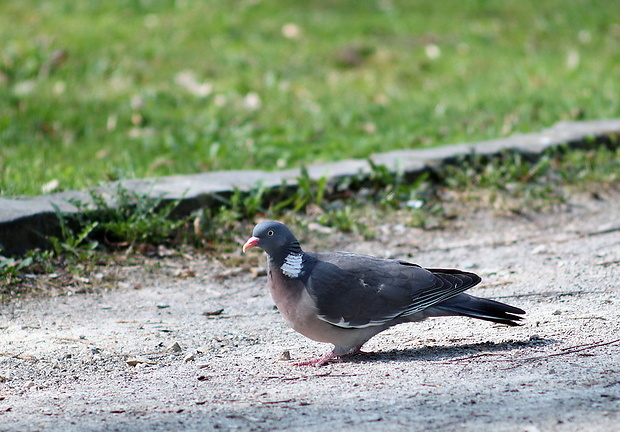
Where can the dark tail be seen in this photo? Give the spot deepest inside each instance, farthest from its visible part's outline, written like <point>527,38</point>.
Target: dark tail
<point>484,309</point>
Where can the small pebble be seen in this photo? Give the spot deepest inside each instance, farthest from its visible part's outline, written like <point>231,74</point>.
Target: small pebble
<point>135,361</point>
<point>175,347</point>
<point>540,249</point>
<point>213,312</point>
<point>258,271</point>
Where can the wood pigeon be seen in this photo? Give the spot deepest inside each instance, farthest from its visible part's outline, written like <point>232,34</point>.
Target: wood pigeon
<point>345,299</point>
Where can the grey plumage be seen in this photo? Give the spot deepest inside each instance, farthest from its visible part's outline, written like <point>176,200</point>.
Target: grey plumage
<point>346,299</point>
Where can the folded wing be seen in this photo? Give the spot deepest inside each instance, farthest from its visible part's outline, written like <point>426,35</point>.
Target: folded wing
<point>357,291</point>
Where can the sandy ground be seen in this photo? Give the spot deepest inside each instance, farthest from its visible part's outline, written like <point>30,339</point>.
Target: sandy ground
<point>108,361</point>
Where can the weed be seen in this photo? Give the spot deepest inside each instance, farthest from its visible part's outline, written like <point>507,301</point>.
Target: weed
<point>243,205</point>
<point>16,274</point>
<point>309,192</point>
<point>346,220</point>
<point>222,223</point>
<point>388,187</point>
<point>512,181</point>
<point>582,167</point>
<point>135,219</point>
<point>79,243</point>
<point>509,182</point>
<point>430,216</point>
<point>11,267</point>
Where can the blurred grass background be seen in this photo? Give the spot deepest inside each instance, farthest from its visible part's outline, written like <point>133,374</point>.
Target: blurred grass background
<point>99,90</point>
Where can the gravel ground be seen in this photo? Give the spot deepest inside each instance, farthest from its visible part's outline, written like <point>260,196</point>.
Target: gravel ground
<point>188,345</point>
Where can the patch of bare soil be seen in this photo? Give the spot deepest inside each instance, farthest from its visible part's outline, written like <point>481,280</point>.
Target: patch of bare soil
<point>188,345</point>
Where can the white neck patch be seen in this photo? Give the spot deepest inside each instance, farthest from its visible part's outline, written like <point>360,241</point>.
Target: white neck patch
<point>292,265</point>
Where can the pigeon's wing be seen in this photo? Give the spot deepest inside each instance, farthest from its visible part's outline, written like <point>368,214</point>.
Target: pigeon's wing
<point>356,291</point>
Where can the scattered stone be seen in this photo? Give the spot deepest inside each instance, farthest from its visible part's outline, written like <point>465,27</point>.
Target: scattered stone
<point>230,272</point>
<point>175,347</point>
<point>162,305</point>
<point>286,355</point>
<point>190,357</point>
<point>184,273</point>
<point>540,249</point>
<point>213,312</point>
<point>82,279</point>
<point>316,227</point>
<point>414,204</point>
<point>258,271</point>
<point>556,312</point>
<point>488,271</point>
<point>135,361</point>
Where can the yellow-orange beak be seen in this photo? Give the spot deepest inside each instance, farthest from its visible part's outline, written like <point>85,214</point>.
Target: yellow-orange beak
<point>252,242</point>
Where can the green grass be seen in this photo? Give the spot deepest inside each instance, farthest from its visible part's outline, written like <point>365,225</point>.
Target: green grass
<point>89,92</point>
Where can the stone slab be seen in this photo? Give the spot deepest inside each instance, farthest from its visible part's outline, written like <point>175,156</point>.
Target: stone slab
<point>26,222</point>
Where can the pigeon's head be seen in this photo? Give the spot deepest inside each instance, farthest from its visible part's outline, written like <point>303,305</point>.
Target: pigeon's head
<point>274,238</point>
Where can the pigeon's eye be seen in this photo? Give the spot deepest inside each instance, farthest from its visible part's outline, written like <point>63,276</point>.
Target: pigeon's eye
<point>270,233</point>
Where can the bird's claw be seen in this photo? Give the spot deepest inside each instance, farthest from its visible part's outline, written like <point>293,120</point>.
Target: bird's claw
<point>330,356</point>
<point>321,361</point>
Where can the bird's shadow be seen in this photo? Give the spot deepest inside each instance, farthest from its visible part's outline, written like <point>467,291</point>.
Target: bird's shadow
<point>448,352</point>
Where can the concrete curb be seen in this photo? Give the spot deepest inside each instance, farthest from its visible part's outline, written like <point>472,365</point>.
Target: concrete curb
<point>26,222</point>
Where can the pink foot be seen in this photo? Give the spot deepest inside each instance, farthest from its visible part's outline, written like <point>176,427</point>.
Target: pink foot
<point>323,360</point>
<point>318,362</point>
